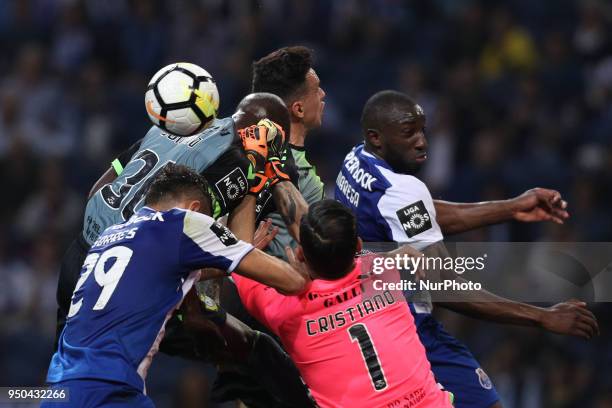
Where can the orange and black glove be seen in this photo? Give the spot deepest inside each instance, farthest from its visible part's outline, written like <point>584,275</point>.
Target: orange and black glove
<point>255,141</point>
<point>275,169</point>
<point>277,155</point>
<point>277,140</point>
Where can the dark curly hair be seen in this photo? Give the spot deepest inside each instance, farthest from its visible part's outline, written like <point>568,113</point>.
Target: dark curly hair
<point>176,180</point>
<point>282,72</point>
<point>328,235</point>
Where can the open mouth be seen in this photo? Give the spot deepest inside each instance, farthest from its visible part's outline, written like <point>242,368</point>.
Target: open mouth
<point>421,157</point>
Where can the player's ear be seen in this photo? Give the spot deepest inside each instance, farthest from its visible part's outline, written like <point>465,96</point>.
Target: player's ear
<point>359,246</point>
<point>297,109</point>
<point>194,205</point>
<point>373,137</point>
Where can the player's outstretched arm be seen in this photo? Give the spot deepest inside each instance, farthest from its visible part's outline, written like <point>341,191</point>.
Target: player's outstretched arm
<point>273,272</point>
<point>537,204</point>
<point>291,205</point>
<point>287,198</point>
<point>241,221</point>
<point>570,318</point>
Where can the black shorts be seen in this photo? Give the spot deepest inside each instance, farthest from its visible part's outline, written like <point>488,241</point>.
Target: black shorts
<point>70,271</point>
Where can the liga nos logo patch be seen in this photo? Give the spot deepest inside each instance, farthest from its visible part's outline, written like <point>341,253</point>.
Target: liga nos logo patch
<point>483,379</point>
<point>232,186</point>
<point>414,218</point>
<point>226,236</point>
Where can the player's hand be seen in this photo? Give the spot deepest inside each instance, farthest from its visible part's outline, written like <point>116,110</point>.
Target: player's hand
<point>258,141</point>
<point>264,234</point>
<point>275,167</point>
<point>275,173</point>
<point>570,318</point>
<point>277,152</point>
<point>276,138</point>
<point>255,143</point>
<point>539,204</point>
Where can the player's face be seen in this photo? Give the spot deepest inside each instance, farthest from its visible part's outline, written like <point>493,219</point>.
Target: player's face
<point>312,101</point>
<point>403,142</point>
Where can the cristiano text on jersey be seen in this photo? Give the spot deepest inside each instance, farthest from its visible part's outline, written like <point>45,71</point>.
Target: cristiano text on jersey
<point>351,314</point>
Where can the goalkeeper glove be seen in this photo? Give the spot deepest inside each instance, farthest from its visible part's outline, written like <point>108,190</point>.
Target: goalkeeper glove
<point>277,155</point>
<point>275,168</point>
<point>258,140</point>
<point>277,141</point>
<point>254,142</point>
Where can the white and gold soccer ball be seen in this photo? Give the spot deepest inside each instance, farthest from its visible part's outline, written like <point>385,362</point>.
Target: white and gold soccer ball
<point>182,99</point>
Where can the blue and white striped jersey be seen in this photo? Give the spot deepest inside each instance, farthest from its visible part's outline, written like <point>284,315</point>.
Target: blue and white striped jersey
<point>135,275</point>
<point>398,208</point>
<point>389,207</point>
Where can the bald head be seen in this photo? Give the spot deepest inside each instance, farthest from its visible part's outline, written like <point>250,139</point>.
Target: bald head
<point>393,127</point>
<point>260,105</point>
<point>385,107</point>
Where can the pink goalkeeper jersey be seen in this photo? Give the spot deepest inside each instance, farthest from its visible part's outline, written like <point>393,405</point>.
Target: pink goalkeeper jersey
<point>352,350</point>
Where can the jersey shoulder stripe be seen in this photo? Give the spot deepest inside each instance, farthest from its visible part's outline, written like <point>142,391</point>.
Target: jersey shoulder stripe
<point>205,235</point>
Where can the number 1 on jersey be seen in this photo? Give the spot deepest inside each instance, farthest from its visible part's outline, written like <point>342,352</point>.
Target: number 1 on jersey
<point>359,333</point>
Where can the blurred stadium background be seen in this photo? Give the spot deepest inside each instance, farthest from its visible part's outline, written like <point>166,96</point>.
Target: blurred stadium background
<point>518,94</point>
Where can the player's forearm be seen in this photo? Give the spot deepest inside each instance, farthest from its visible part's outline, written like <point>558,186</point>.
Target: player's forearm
<point>269,271</point>
<point>454,218</point>
<point>496,309</point>
<point>485,305</point>
<point>291,206</point>
<point>286,280</point>
<point>241,220</point>
<point>482,304</point>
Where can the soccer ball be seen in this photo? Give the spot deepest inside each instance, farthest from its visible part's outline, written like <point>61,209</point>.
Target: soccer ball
<point>182,99</point>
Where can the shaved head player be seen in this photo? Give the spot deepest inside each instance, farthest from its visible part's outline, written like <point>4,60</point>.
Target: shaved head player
<point>377,181</point>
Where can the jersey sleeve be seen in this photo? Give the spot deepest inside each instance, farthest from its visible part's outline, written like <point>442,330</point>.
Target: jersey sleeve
<point>408,211</point>
<point>227,177</point>
<point>124,157</point>
<point>291,168</point>
<point>208,244</point>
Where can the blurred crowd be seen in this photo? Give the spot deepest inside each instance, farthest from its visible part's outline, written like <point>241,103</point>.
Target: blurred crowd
<point>517,94</point>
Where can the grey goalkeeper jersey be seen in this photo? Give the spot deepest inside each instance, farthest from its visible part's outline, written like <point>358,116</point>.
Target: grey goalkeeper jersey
<point>312,189</point>
<point>216,153</point>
